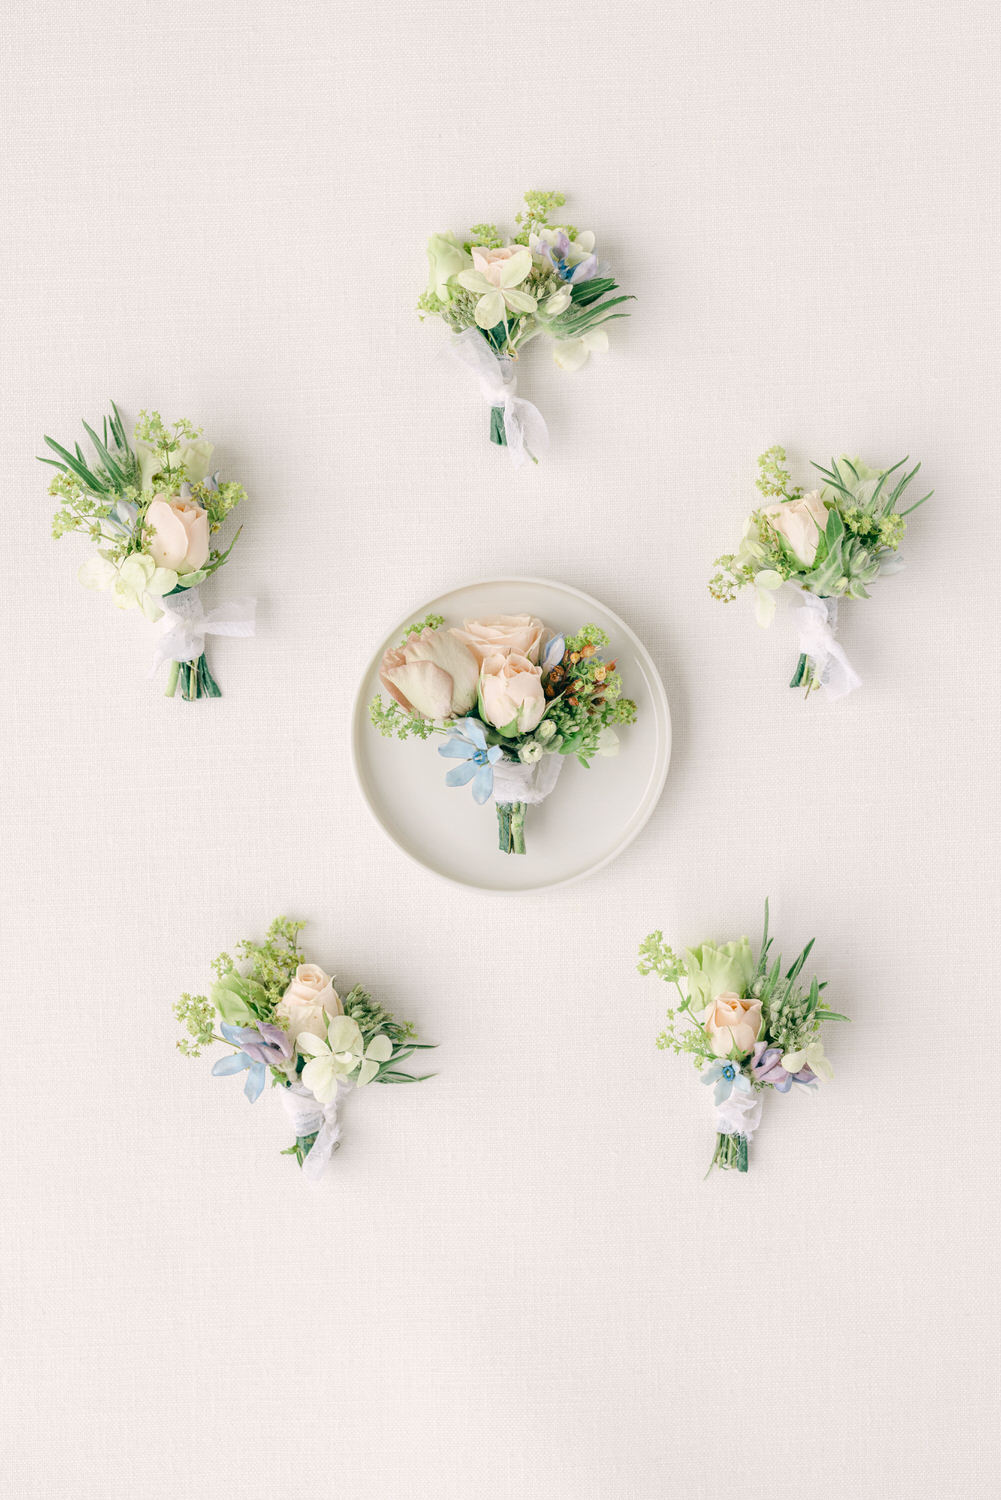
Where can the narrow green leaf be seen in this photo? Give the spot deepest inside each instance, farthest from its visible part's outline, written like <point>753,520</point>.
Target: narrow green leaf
<point>917,503</point>
<point>103,454</point>
<point>79,469</point>
<point>797,966</point>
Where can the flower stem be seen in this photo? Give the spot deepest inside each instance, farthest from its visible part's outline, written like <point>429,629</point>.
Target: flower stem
<point>730,1154</point>
<point>497,433</point>
<point>805,676</point>
<point>195,678</point>
<point>801,672</point>
<point>304,1145</point>
<point>511,827</point>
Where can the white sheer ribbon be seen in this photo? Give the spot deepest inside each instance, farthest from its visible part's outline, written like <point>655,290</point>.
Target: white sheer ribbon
<point>516,782</point>
<point>308,1117</point>
<point>186,623</point>
<point>817,620</point>
<point>740,1114</point>
<point>524,425</point>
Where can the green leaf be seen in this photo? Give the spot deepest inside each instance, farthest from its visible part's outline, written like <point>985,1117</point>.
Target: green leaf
<point>231,1000</point>
<point>214,566</point>
<point>583,293</point>
<point>79,469</point>
<point>794,971</point>
<point>109,463</point>
<point>917,503</point>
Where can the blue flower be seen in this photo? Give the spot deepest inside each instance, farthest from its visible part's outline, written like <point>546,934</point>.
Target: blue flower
<point>553,654</point>
<point>726,1076</point>
<point>261,1047</point>
<point>471,747</point>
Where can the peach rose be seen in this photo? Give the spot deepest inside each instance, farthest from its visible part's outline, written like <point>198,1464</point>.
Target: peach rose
<point>431,674</point>
<point>179,534</point>
<point>489,262</point>
<point>732,1024</point>
<point>502,634</point>
<point>307,1002</point>
<point>511,692</point>
<point>800,522</point>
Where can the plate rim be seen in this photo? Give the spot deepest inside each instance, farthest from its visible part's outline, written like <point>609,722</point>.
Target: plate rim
<point>359,717</point>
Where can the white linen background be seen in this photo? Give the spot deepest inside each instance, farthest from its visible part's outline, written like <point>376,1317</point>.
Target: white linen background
<point>513,1281</point>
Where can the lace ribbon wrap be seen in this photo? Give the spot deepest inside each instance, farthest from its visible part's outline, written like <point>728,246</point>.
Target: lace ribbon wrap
<point>308,1116</point>
<point>516,782</point>
<point>186,623</point>
<point>740,1114</point>
<point>524,425</point>
<point>817,621</point>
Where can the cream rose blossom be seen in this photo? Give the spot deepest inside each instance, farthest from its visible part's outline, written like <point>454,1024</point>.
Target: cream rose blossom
<point>309,999</point>
<point>432,674</point>
<point>732,1024</point>
<point>490,263</point>
<point>499,635</point>
<point>179,534</point>
<point>800,522</point>
<point>511,692</point>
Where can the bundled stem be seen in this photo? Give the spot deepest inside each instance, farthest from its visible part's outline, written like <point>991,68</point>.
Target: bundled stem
<point>805,675</point>
<point>304,1145</point>
<point>511,827</point>
<point>497,433</point>
<point>194,678</point>
<point>730,1153</point>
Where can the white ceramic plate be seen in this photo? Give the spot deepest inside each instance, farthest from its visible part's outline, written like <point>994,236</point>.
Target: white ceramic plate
<point>592,814</point>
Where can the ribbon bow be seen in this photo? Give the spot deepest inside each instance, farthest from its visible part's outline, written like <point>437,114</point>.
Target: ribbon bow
<point>817,620</point>
<point>186,623</point>
<point>515,782</point>
<point>524,425</point>
<point>308,1116</point>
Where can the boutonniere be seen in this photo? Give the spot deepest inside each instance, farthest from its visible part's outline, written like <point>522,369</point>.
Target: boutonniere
<point>748,1026</point>
<point>816,548</point>
<point>153,507</point>
<point>512,698</point>
<point>497,292</point>
<point>285,1024</point>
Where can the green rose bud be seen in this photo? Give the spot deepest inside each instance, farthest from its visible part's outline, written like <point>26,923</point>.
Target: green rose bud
<point>446,258</point>
<point>714,971</point>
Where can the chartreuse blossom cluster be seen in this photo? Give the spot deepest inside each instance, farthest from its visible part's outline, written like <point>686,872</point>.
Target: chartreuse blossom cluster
<point>544,278</point>
<point>832,542</point>
<point>283,1020</point>
<point>747,1025</point>
<point>512,697</point>
<point>152,508</point>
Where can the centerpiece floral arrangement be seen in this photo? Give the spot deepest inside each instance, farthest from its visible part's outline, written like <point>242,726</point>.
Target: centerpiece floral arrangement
<point>497,292</point>
<point>512,698</point>
<point>818,548</point>
<point>152,507</point>
<point>746,1025</point>
<point>283,1019</point>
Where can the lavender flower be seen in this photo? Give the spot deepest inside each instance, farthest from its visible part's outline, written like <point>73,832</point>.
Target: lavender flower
<point>261,1047</point>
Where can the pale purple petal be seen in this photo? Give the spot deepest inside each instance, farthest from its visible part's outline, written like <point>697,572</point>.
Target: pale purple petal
<point>585,271</point>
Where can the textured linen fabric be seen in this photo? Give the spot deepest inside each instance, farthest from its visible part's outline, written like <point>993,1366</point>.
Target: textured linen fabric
<point>513,1280</point>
